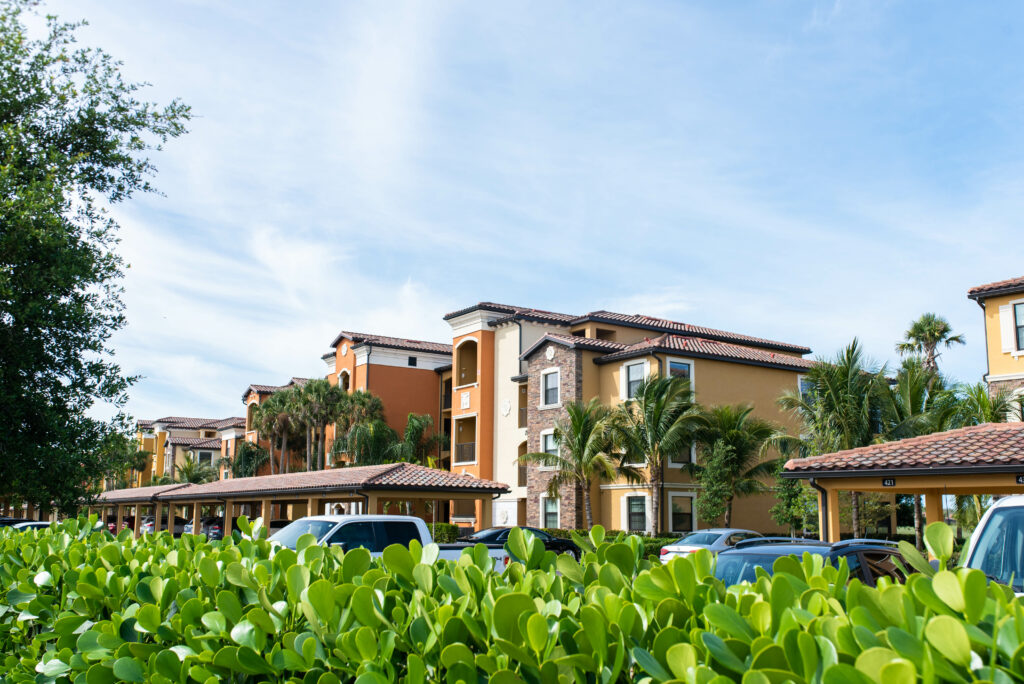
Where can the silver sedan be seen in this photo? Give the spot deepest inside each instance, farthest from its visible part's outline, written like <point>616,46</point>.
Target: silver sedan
<point>714,540</point>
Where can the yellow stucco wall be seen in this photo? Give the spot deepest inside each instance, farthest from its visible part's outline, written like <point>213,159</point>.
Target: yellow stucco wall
<point>1000,362</point>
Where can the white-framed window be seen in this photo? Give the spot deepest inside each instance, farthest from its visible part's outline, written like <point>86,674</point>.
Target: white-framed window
<point>549,512</point>
<point>550,388</point>
<point>548,446</point>
<point>206,458</point>
<point>805,386</point>
<point>631,375</point>
<point>681,512</point>
<point>681,368</point>
<point>688,456</point>
<point>635,512</point>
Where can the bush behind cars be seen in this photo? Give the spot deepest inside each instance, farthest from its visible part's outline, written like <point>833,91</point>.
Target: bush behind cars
<point>82,606</point>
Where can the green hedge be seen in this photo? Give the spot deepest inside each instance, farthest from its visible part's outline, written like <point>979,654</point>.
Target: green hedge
<point>444,533</point>
<point>81,606</point>
<point>652,545</point>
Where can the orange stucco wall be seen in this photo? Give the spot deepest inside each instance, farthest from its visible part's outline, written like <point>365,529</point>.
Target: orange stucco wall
<point>405,391</point>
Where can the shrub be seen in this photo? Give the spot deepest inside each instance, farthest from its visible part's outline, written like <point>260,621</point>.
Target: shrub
<point>444,533</point>
<point>81,606</point>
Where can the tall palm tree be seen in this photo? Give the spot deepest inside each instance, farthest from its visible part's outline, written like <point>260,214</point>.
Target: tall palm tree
<point>419,441</point>
<point>842,409</point>
<point>248,459</point>
<point>973,404</point>
<point>325,405</point>
<point>746,439</point>
<point>370,443</point>
<point>657,424</point>
<point>585,452</point>
<point>911,407</point>
<point>274,420</point>
<point>925,336</point>
<point>190,470</point>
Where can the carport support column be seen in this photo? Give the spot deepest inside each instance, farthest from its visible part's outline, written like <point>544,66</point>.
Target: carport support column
<point>229,511</point>
<point>118,518</point>
<point>487,510</point>
<point>265,507</point>
<point>933,506</point>
<point>157,514</point>
<point>372,504</point>
<point>196,510</point>
<point>828,515</point>
<point>138,519</point>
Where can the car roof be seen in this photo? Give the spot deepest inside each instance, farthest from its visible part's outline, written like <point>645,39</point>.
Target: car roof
<point>362,516</point>
<point>1014,501</point>
<point>780,549</point>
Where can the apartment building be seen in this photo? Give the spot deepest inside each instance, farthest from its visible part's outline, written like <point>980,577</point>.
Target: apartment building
<point>1003,305</point>
<point>515,368</point>
<point>169,441</point>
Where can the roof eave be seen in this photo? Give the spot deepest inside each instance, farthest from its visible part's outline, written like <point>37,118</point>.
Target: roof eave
<point>777,346</point>
<point>621,356</point>
<point>897,472</point>
<point>995,292</point>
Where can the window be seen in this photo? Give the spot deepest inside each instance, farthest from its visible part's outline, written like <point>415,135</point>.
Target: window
<point>634,376</point>
<point>679,369</point>
<point>682,513</point>
<point>1018,322</point>
<point>206,458</point>
<point>636,509</point>
<point>549,512</point>
<point>354,534</point>
<point>396,532</point>
<point>806,387</point>
<point>684,457</point>
<point>549,381</point>
<point>412,361</point>
<point>549,446</point>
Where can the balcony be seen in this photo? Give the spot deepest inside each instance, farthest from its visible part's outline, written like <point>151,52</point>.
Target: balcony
<point>465,453</point>
<point>522,476</point>
<point>522,416</point>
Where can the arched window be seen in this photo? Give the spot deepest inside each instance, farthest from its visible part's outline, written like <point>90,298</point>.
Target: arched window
<point>250,414</point>
<point>465,363</point>
<point>343,380</point>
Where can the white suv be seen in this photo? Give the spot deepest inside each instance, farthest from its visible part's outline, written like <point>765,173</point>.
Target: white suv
<point>997,545</point>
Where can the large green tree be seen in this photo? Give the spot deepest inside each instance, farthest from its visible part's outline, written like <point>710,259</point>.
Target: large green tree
<point>925,336</point>
<point>74,139</point>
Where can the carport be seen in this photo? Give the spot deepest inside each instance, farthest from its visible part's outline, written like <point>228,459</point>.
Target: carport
<point>138,501</point>
<point>982,459</point>
<point>385,488</point>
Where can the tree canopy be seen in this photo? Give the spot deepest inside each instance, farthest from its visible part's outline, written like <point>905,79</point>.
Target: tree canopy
<point>74,139</point>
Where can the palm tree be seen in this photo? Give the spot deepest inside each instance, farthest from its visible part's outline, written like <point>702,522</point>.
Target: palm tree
<point>274,420</point>
<point>911,408</point>
<point>654,426</point>
<point>742,441</point>
<point>973,404</point>
<point>925,336</point>
<point>192,471</point>
<point>248,459</point>
<point>585,452</point>
<point>419,441</point>
<point>842,409</point>
<point>325,403</point>
<point>371,443</point>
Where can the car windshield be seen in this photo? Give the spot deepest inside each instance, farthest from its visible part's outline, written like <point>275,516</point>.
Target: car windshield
<point>999,552</point>
<point>289,535</point>
<point>702,538</point>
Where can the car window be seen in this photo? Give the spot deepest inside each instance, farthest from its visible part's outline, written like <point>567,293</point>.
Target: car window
<point>733,568</point>
<point>539,534</point>
<point>733,538</point>
<point>484,536</point>
<point>881,564</point>
<point>290,534</point>
<point>355,534</point>
<point>396,532</point>
<point>502,537</point>
<point>705,538</point>
<point>999,551</point>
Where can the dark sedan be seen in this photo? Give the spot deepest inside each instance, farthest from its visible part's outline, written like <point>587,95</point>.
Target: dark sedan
<point>867,559</point>
<point>499,535</point>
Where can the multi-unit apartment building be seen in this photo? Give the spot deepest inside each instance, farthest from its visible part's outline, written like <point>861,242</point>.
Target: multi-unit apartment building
<point>516,368</point>
<point>1003,306</point>
<point>169,440</point>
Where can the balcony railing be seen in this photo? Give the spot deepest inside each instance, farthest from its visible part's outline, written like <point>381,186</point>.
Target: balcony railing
<point>465,453</point>
<point>522,416</point>
<point>522,476</point>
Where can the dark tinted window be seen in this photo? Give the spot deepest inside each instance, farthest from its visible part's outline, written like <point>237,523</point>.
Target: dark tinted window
<point>703,538</point>
<point>741,567</point>
<point>485,536</point>
<point>396,532</point>
<point>540,534</point>
<point>354,534</point>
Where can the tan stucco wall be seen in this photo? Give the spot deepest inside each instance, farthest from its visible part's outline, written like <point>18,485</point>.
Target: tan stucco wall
<point>1000,362</point>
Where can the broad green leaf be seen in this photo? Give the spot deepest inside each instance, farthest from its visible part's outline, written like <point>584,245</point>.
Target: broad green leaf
<point>129,670</point>
<point>938,537</point>
<point>949,637</point>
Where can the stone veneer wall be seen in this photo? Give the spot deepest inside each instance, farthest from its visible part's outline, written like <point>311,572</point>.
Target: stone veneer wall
<point>1007,386</point>
<point>570,363</point>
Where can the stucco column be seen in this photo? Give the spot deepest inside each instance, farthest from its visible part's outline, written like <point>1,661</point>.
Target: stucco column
<point>138,519</point>
<point>828,503</point>
<point>118,520</point>
<point>229,512</point>
<point>933,506</point>
<point>265,512</point>
<point>197,509</point>
<point>488,513</point>
<point>157,514</point>
<point>313,506</point>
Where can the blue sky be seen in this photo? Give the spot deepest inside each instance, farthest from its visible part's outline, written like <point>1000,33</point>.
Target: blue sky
<point>801,171</point>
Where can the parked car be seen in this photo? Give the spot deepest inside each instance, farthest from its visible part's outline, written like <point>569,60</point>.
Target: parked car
<point>10,522</point>
<point>499,535</point>
<point>31,525</point>
<point>714,540</point>
<point>213,526</point>
<point>147,525</point>
<point>997,544</point>
<point>373,532</point>
<point>868,559</point>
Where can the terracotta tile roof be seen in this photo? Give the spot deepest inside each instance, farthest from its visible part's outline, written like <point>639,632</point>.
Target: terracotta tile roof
<point>195,442</point>
<point>144,424</point>
<point>991,445</point>
<point>358,339</point>
<point>270,389</point>
<point>183,423</point>
<point>1008,286</point>
<point>400,476</point>
<point>667,326</point>
<point>512,312</point>
<point>711,349</point>
<point>135,493</point>
<point>573,342</point>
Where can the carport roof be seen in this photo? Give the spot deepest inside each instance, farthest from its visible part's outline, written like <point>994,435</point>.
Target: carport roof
<point>407,477</point>
<point>137,494</point>
<point>990,447</point>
